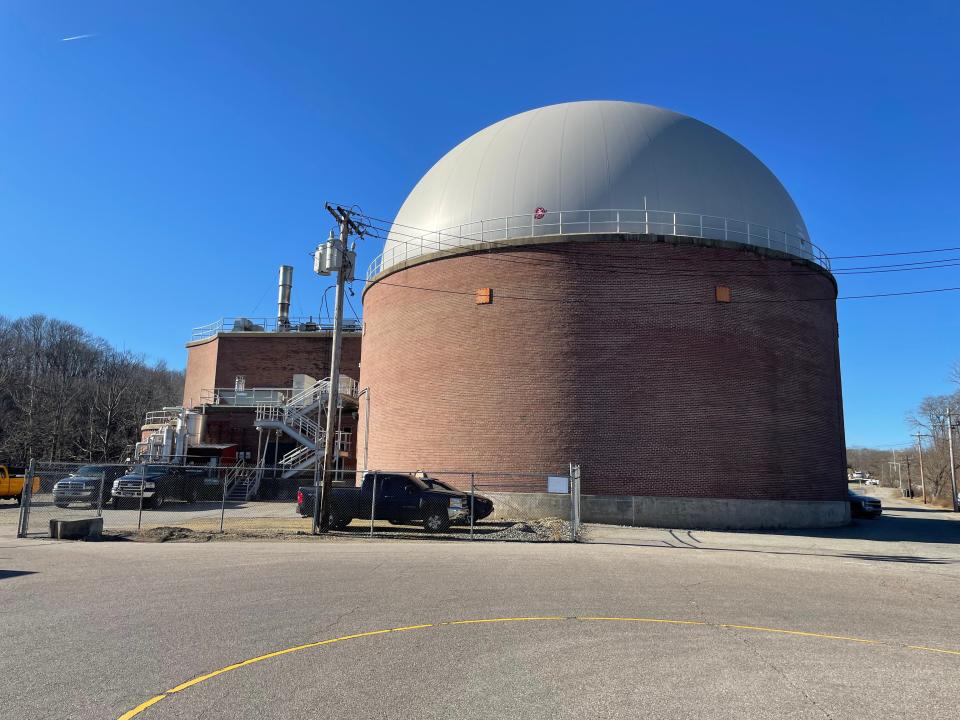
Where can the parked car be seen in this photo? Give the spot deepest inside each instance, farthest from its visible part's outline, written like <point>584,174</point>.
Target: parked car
<point>11,483</point>
<point>863,506</point>
<point>403,499</point>
<point>159,484</point>
<point>872,481</point>
<point>482,506</point>
<point>84,484</point>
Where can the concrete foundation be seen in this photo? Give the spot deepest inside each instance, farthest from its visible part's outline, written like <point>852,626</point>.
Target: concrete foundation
<point>676,512</point>
<point>84,529</point>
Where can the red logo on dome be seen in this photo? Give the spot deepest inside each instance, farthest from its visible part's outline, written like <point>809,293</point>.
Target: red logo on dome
<point>539,213</point>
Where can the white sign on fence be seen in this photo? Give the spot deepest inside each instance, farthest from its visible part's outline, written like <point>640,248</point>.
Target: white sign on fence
<point>558,484</point>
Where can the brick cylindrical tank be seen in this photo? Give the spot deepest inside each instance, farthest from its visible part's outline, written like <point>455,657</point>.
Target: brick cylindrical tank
<point>682,348</point>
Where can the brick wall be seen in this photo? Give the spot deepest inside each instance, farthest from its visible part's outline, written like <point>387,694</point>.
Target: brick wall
<point>632,369</point>
<point>201,370</point>
<point>265,359</point>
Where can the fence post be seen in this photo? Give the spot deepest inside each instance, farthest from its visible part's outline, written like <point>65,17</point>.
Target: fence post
<point>471,505</point>
<point>26,497</point>
<point>574,502</point>
<point>223,500</point>
<point>577,537</point>
<point>143,477</point>
<point>103,479</point>
<point>373,503</point>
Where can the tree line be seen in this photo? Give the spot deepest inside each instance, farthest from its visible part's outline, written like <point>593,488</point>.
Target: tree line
<point>929,419</point>
<point>67,395</point>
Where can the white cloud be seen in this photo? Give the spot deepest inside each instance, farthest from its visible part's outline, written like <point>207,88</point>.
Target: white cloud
<point>78,37</point>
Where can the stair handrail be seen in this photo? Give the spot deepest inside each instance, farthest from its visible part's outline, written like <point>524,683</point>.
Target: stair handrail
<point>308,393</point>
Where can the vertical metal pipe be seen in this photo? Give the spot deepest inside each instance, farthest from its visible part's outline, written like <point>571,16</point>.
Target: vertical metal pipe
<point>223,500</point>
<point>285,285</point>
<point>373,503</point>
<point>143,477</point>
<point>103,479</point>
<point>471,504</point>
<point>366,431</point>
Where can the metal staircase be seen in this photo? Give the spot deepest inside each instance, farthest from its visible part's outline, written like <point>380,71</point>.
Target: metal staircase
<point>296,419</point>
<point>243,481</point>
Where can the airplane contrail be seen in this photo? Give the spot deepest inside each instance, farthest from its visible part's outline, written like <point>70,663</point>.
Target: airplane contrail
<point>78,37</point>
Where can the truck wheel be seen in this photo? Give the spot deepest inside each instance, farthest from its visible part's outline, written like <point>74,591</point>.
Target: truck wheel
<point>19,499</point>
<point>436,521</point>
<point>156,502</point>
<point>117,502</point>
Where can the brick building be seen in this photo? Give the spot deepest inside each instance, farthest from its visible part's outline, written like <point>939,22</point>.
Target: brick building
<point>235,366</point>
<point>622,286</point>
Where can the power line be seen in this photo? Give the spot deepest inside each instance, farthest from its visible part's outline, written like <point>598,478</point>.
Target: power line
<point>629,270</point>
<point>424,231</point>
<point>370,223</point>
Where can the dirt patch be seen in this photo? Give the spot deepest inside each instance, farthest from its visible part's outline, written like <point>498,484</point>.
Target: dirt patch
<point>172,534</point>
<point>299,530</point>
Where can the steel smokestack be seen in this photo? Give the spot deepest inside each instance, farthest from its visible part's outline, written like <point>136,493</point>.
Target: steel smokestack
<point>283,298</point>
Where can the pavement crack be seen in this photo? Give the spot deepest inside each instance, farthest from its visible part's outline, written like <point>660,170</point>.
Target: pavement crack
<point>783,675</point>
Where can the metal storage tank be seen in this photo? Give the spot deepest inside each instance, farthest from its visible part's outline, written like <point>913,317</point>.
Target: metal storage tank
<point>658,314</point>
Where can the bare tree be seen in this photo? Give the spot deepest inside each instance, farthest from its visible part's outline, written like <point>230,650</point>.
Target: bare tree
<point>65,394</point>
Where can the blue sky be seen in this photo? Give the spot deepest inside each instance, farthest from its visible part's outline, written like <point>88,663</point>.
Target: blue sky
<point>153,176</point>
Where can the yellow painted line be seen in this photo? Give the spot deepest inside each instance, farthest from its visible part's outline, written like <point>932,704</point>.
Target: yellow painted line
<point>502,620</point>
<point>278,653</point>
<point>586,618</point>
<point>936,650</point>
<point>644,620</point>
<point>141,707</point>
<point>800,633</point>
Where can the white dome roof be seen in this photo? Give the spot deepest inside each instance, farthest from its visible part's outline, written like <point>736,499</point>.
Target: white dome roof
<point>595,156</point>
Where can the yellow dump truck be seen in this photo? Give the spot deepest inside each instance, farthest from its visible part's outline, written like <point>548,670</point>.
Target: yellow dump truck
<point>11,483</point>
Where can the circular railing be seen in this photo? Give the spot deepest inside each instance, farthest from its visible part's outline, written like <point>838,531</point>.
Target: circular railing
<point>410,243</point>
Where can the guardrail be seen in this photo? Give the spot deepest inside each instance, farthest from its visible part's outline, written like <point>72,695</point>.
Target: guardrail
<point>246,398</point>
<point>160,417</point>
<point>271,324</point>
<point>411,244</point>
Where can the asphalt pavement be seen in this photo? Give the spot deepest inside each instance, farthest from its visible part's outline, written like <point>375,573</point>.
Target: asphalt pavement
<point>855,622</point>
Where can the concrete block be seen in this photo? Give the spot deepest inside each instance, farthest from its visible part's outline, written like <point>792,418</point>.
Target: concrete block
<point>82,529</point>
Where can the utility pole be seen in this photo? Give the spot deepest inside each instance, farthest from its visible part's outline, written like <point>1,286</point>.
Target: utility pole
<point>894,464</point>
<point>338,259</point>
<point>923,487</point>
<point>953,471</point>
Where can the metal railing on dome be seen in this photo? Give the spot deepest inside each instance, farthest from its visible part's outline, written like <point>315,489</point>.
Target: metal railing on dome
<point>412,242</point>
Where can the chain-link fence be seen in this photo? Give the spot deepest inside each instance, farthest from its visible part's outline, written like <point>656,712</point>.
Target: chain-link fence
<point>270,501</point>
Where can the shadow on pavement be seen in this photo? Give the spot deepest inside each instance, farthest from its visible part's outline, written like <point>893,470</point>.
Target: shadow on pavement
<point>925,526</point>
<point>4,574</point>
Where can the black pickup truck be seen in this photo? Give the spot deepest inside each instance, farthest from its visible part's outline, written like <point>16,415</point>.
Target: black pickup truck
<point>160,483</point>
<point>401,499</point>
